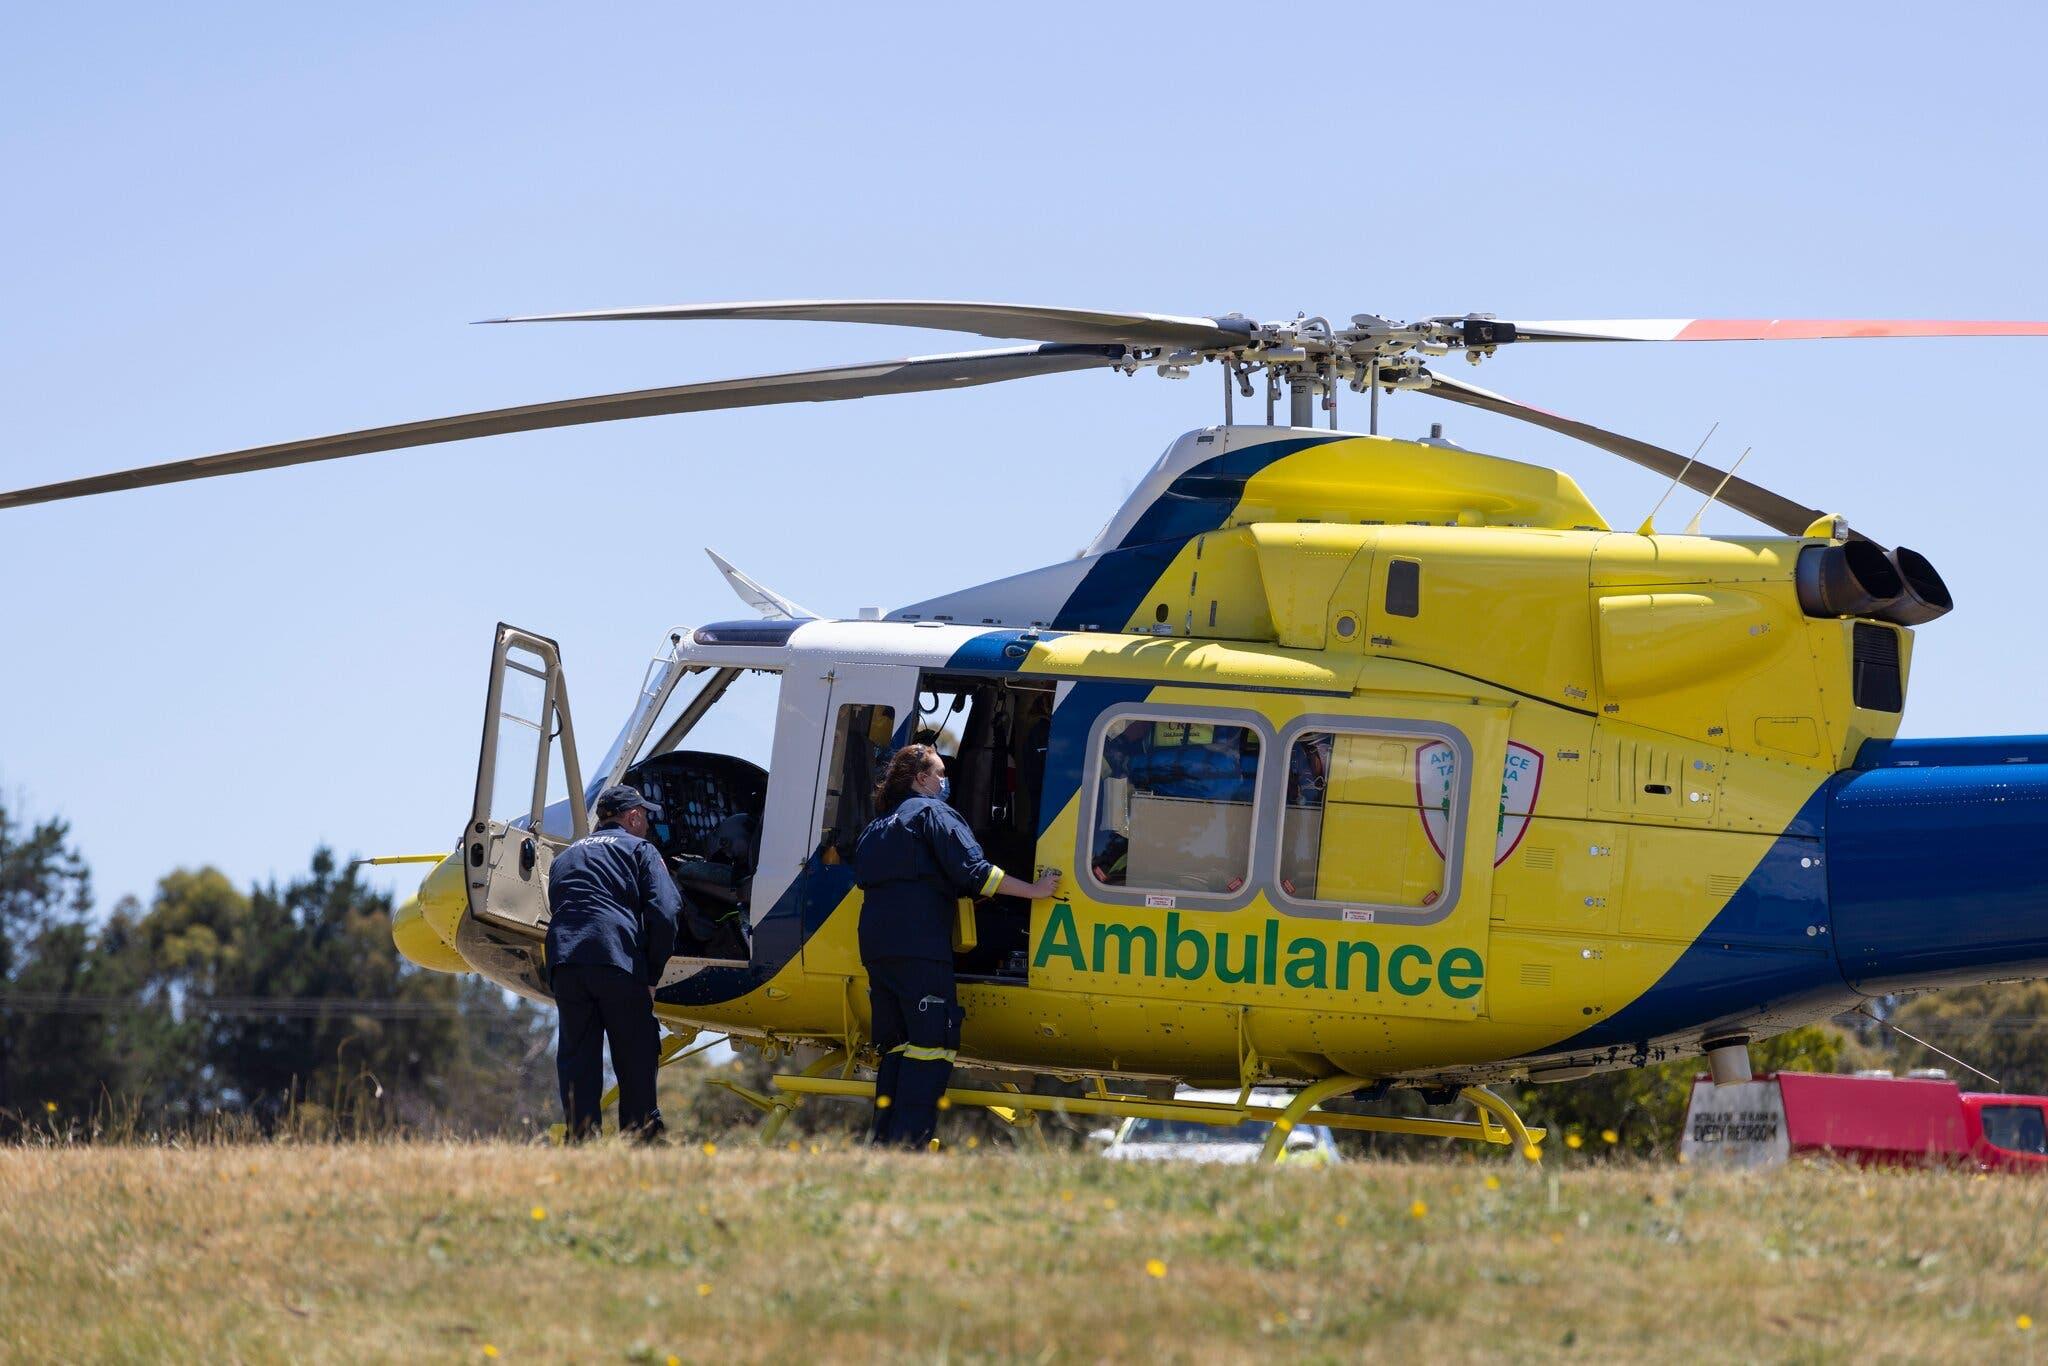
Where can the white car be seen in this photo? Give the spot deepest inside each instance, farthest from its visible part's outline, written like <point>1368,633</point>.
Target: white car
<point>1186,1140</point>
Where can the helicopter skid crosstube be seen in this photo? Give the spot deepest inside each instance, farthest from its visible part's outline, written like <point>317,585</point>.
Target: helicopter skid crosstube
<point>1117,1106</point>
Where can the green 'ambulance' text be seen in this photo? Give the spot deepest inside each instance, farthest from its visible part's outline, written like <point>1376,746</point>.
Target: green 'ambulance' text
<point>1179,953</point>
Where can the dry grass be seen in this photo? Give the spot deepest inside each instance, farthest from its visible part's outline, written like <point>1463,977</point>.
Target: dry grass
<point>456,1252</point>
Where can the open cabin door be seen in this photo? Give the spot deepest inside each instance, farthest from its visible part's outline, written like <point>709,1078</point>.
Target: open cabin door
<point>865,710</point>
<point>529,790</point>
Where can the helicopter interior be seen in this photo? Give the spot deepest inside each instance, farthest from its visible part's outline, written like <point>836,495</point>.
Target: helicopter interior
<point>991,734</point>
<point>710,832</point>
<point>713,804</point>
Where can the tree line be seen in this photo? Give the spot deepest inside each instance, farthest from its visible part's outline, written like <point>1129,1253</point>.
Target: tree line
<point>210,1006</point>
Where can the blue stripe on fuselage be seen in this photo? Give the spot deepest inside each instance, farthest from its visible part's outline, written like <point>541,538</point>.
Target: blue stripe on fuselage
<point>997,652</point>
<point>1199,500</point>
<point>1066,751</point>
<point>1768,949</point>
<point>1202,496</point>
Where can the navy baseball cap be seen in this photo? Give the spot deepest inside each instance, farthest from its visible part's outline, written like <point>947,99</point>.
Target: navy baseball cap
<point>618,799</point>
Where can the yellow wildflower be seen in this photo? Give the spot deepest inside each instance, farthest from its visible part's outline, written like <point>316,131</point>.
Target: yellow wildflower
<point>1493,1183</point>
<point>1155,1268</point>
<point>538,1214</point>
<point>1418,1209</point>
<point>710,1148</point>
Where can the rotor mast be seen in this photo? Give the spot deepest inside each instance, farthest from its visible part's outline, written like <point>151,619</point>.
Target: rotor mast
<point>1310,358</point>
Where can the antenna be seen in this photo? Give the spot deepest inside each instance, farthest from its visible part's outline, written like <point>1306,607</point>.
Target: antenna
<point>1692,528</point>
<point>1648,527</point>
<point>1865,1010</point>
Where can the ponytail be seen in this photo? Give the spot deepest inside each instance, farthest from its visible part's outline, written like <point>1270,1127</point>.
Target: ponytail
<point>905,766</point>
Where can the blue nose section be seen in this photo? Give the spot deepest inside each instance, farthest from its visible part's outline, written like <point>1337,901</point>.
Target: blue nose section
<point>1938,862</point>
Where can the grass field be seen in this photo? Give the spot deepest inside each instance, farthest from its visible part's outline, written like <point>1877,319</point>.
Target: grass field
<point>480,1252</point>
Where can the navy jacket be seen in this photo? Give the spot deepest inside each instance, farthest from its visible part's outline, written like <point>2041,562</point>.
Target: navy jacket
<point>912,866</point>
<point>612,903</point>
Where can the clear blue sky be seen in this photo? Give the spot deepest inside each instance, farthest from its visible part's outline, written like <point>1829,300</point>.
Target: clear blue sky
<point>226,226</point>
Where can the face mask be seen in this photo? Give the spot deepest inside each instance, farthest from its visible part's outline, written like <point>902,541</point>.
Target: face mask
<point>945,792</point>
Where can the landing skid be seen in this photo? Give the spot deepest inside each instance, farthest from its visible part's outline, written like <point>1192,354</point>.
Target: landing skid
<point>1021,1109</point>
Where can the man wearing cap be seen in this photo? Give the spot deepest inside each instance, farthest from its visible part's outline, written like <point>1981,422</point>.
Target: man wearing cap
<point>612,925</point>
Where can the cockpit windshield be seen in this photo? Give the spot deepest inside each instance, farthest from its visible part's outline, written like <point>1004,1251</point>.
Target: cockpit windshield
<point>698,745</point>
<point>731,711</point>
<point>679,700</point>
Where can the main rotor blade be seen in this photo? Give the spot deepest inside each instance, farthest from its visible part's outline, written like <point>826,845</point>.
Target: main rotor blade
<point>801,386</point>
<point>1762,329</point>
<point>1778,513</point>
<point>988,320</point>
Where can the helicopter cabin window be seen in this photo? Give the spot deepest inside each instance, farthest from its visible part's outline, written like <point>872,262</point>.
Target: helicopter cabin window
<point>1404,588</point>
<point>863,738</point>
<point>1173,806</point>
<point>1369,820</point>
<point>714,797</point>
<point>526,719</point>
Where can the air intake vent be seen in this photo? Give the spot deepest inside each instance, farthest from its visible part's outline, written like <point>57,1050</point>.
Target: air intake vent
<point>1535,974</point>
<point>1874,680</point>
<point>1541,860</point>
<point>1721,886</point>
<point>1404,588</point>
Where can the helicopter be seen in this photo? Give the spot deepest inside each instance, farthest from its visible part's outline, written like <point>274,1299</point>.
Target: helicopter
<point>1378,763</point>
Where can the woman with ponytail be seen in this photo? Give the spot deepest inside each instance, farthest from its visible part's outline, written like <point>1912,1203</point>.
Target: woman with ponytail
<point>913,863</point>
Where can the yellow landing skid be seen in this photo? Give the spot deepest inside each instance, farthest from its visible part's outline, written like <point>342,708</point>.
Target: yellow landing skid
<point>1010,1105</point>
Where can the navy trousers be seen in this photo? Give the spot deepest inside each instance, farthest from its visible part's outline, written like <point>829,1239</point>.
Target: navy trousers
<point>595,1004</point>
<point>917,1018</point>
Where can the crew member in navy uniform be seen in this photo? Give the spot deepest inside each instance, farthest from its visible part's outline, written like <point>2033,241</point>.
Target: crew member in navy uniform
<point>913,863</point>
<point>611,927</point>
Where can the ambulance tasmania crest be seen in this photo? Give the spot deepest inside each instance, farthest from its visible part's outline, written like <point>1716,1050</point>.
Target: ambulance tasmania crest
<point>1436,776</point>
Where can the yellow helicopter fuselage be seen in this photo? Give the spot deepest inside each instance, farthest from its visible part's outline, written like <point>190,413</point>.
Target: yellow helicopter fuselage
<point>1363,758</point>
